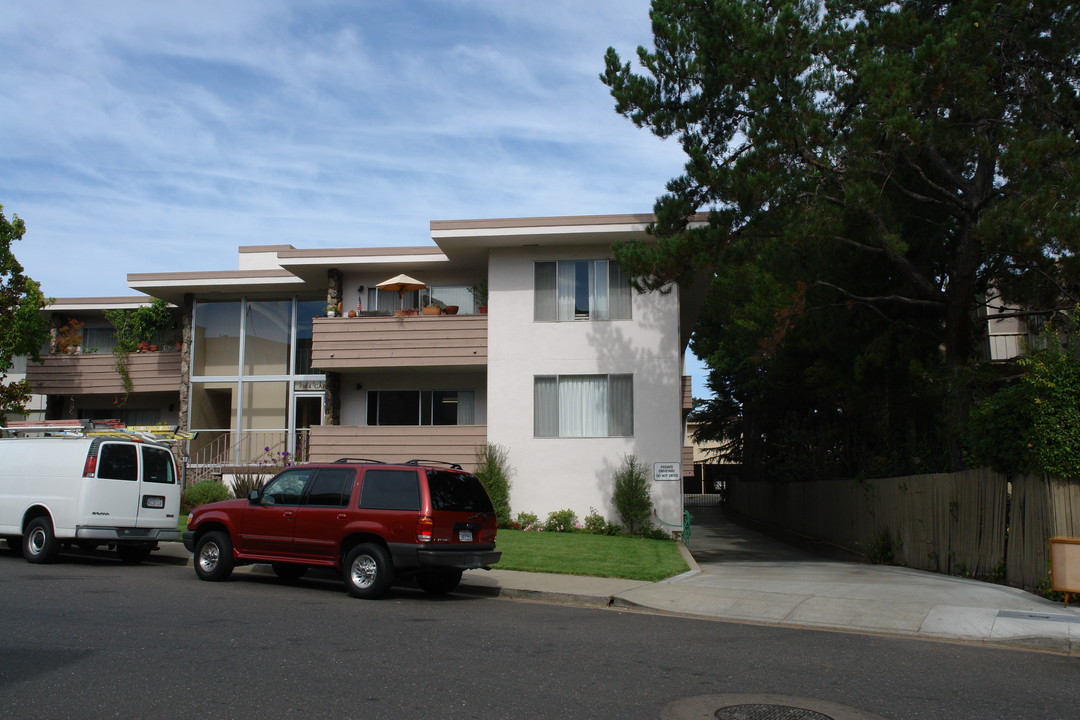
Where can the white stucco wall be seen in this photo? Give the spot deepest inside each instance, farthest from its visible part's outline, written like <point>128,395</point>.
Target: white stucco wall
<point>576,473</point>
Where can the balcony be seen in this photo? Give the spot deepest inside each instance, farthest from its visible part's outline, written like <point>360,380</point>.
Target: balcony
<point>95,374</point>
<point>397,342</point>
<point>396,443</point>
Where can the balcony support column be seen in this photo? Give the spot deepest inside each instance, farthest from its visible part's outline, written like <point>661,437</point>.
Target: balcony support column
<point>332,401</point>
<point>186,314</point>
<point>333,289</point>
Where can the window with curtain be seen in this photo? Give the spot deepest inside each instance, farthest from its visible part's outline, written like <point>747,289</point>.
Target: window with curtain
<point>567,290</point>
<point>583,405</point>
<point>421,407</point>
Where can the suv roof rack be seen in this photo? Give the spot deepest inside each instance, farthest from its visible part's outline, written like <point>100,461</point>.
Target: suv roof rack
<point>418,461</point>
<point>359,460</point>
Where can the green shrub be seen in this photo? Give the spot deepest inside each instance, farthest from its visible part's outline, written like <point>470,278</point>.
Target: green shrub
<point>244,483</point>
<point>883,547</point>
<point>1033,425</point>
<point>633,496</point>
<point>494,471</point>
<point>205,491</point>
<point>597,524</point>
<point>561,521</point>
<point>524,521</point>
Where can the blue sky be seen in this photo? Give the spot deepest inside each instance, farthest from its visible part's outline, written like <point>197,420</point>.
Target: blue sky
<point>145,137</point>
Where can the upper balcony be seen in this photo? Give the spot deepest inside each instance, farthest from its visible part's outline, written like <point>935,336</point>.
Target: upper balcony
<point>397,342</point>
<point>95,373</point>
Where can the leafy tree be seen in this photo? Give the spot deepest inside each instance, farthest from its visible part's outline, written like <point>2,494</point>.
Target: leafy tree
<point>23,328</point>
<point>870,170</point>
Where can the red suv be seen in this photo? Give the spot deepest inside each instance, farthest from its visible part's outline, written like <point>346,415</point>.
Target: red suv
<point>371,521</point>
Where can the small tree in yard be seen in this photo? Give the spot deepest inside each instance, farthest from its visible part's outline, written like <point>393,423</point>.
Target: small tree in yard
<point>494,471</point>
<point>633,497</point>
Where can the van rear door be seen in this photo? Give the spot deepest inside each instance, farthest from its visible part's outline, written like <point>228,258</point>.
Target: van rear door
<point>159,494</point>
<point>114,500</point>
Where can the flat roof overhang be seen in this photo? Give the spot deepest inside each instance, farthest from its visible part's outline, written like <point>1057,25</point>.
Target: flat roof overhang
<point>470,240</point>
<point>311,265</point>
<point>173,286</point>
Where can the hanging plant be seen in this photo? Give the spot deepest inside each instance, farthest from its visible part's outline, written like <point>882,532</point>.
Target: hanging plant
<point>133,328</point>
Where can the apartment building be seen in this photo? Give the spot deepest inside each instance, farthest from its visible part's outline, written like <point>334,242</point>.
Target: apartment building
<point>522,332</point>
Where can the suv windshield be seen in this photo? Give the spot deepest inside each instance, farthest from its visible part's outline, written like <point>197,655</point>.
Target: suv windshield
<point>457,492</point>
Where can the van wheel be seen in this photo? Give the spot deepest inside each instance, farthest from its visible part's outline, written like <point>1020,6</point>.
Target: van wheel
<point>438,582</point>
<point>213,556</point>
<point>133,553</point>
<point>39,543</point>
<point>288,571</point>
<point>368,571</point>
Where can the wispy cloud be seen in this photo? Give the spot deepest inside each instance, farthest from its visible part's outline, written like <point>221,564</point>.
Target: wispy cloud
<point>141,137</point>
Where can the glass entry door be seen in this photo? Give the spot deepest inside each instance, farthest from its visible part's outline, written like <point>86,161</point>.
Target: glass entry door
<point>307,411</point>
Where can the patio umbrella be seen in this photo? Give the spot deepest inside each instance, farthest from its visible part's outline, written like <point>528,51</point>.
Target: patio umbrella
<point>401,284</point>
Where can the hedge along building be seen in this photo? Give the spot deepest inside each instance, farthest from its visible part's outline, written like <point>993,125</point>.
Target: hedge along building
<point>568,368</point>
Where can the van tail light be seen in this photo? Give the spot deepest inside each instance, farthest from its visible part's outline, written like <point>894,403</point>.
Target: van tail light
<point>90,466</point>
<point>425,529</point>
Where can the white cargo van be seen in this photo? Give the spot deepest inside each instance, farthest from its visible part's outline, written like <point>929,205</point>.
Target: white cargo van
<point>87,491</point>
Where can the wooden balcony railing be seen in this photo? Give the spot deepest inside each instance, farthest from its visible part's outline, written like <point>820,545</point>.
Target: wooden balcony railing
<point>391,342</point>
<point>95,374</point>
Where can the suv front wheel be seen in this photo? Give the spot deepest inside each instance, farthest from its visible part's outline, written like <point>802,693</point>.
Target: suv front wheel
<point>368,571</point>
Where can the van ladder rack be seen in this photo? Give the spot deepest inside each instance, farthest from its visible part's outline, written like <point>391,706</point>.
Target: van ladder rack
<point>105,428</point>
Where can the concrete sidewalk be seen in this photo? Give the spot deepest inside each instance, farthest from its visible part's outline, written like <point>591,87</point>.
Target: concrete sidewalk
<point>741,575</point>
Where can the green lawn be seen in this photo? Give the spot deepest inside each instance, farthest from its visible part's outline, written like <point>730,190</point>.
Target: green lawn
<point>583,554</point>
<point>594,555</point>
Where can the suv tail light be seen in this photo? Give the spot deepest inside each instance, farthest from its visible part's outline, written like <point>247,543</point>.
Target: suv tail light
<point>425,528</point>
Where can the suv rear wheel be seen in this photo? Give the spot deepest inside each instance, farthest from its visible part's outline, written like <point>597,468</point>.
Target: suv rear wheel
<point>213,556</point>
<point>368,571</point>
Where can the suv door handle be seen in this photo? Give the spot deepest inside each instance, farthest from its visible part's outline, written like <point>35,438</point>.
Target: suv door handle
<point>342,516</point>
<point>288,514</point>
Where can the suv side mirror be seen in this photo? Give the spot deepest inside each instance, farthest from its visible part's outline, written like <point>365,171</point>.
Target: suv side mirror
<point>253,497</point>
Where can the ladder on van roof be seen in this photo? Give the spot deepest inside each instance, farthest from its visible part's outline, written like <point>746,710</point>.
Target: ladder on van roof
<point>96,428</point>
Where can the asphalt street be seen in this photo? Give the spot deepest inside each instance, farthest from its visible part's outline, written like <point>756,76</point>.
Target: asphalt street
<point>89,637</point>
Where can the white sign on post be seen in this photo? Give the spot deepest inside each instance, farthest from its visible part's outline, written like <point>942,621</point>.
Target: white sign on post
<point>667,471</point>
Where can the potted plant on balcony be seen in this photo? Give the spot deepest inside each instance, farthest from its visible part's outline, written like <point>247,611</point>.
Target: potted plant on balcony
<point>434,307</point>
<point>479,291</point>
<point>331,310</point>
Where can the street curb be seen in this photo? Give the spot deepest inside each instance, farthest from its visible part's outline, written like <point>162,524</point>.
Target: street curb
<point>497,591</point>
<point>1030,643</point>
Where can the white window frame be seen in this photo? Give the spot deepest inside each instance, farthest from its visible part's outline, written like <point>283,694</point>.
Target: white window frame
<point>561,405</point>
<point>557,284</point>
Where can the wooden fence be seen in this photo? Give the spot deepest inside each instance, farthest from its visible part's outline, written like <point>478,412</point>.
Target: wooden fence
<point>976,522</point>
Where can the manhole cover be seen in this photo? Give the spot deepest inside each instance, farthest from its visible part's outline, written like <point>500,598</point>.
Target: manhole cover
<point>761,706</point>
<point>768,712</point>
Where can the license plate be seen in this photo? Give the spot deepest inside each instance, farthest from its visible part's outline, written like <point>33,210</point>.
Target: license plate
<point>464,536</point>
<point>153,501</point>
